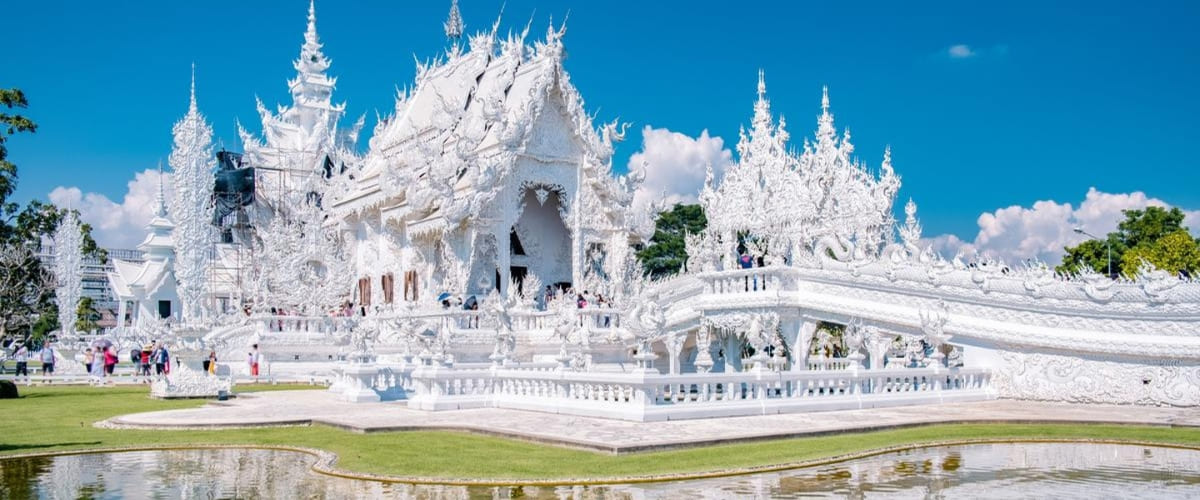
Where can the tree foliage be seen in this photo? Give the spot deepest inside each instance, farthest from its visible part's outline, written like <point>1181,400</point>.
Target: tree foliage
<point>11,124</point>
<point>1155,234</point>
<point>86,315</point>
<point>1175,253</point>
<point>26,286</point>
<point>667,252</point>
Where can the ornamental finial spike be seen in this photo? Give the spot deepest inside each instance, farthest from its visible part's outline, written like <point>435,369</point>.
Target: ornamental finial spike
<point>454,23</point>
<point>825,98</point>
<point>192,101</point>
<point>312,20</point>
<point>762,85</point>
<point>161,210</point>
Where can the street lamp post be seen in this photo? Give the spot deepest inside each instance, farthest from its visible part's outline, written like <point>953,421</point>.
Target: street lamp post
<point>1108,245</point>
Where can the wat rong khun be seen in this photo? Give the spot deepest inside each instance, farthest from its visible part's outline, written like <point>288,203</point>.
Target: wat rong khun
<point>474,269</point>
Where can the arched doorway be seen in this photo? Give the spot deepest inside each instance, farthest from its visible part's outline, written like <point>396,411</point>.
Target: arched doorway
<point>539,242</point>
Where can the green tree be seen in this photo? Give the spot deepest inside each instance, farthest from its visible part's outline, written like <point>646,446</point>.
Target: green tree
<point>1175,253</point>
<point>666,253</point>
<point>26,290</point>
<point>1156,234</point>
<point>11,124</point>
<point>86,315</point>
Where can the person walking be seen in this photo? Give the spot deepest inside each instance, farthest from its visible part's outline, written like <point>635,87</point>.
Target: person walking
<point>166,359</point>
<point>156,356</point>
<point>88,358</point>
<point>22,358</point>
<point>135,357</point>
<point>212,362</point>
<point>48,355</point>
<point>145,357</point>
<point>253,361</point>
<point>110,360</point>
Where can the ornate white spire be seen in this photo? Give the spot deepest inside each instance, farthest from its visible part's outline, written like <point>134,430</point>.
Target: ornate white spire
<point>762,125</point>
<point>192,163</point>
<point>68,270</point>
<point>192,103</point>
<point>160,210</point>
<point>826,133</point>
<point>762,85</point>
<point>454,24</point>
<point>910,232</point>
<point>311,86</point>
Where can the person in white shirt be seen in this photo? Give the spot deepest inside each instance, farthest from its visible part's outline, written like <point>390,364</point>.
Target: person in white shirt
<point>48,359</point>
<point>253,360</point>
<point>22,357</point>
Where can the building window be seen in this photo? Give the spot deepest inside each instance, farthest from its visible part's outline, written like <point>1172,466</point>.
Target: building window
<point>364,291</point>
<point>388,282</point>
<point>514,242</point>
<point>410,286</point>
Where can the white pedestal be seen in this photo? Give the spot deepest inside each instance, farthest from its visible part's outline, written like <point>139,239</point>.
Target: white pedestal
<point>359,379</point>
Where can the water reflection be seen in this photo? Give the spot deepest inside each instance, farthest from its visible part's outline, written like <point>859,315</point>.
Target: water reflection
<point>1045,470</point>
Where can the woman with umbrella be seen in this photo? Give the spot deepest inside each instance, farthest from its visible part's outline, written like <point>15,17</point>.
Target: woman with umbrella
<point>99,348</point>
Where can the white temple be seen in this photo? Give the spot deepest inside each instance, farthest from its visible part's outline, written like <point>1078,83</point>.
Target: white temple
<point>490,179</point>
<point>150,285</point>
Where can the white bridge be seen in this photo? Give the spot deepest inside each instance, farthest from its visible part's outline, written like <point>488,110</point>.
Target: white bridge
<point>917,333</point>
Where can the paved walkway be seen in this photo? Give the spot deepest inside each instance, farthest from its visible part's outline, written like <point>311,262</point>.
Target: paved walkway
<point>616,436</point>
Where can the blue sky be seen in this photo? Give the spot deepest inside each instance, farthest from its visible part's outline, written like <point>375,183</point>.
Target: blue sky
<point>1049,99</point>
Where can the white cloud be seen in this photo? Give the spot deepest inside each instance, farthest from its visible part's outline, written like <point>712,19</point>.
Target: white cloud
<point>116,225</point>
<point>675,164</point>
<point>1019,233</point>
<point>961,51</point>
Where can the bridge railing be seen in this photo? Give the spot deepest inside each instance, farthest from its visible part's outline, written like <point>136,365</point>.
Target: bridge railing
<point>645,396</point>
<point>304,324</point>
<point>756,279</point>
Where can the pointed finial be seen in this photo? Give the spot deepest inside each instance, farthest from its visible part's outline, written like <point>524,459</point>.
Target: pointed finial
<point>454,23</point>
<point>825,98</point>
<point>762,85</point>
<point>496,25</point>
<point>161,210</point>
<point>192,101</point>
<point>312,16</point>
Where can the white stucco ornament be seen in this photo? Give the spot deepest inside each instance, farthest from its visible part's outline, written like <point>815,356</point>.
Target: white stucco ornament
<point>184,382</point>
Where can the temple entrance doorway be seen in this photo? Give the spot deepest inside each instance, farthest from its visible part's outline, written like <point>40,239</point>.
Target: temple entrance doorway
<point>540,243</point>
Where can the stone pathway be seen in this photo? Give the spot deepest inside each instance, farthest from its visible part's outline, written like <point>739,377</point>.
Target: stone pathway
<point>617,436</point>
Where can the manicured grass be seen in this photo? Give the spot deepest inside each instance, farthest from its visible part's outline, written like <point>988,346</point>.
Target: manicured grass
<point>60,418</point>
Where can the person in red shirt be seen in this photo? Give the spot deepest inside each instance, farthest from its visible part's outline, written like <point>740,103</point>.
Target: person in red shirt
<point>145,362</point>
<point>110,360</point>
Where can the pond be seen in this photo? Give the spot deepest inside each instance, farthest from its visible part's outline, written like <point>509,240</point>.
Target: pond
<point>1018,470</point>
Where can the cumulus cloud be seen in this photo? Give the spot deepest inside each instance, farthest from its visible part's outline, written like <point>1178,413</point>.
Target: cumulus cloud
<point>1041,231</point>
<point>960,51</point>
<point>116,225</point>
<point>675,165</point>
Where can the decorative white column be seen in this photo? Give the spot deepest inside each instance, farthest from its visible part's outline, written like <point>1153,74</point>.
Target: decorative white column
<point>504,259</point>
<point>704,360</point>
<point>802,343</point>
<point>674,345</point>
<point>121,306</point>
<point>733,353</point>
<point>878,342</point>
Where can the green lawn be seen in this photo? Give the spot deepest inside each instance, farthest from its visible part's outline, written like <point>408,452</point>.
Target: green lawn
<point>60,418</point>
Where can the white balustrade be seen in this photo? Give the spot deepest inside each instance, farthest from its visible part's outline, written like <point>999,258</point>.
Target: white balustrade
<point>650,396</point>
<point>314,326</point>
<point>755,279</point>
